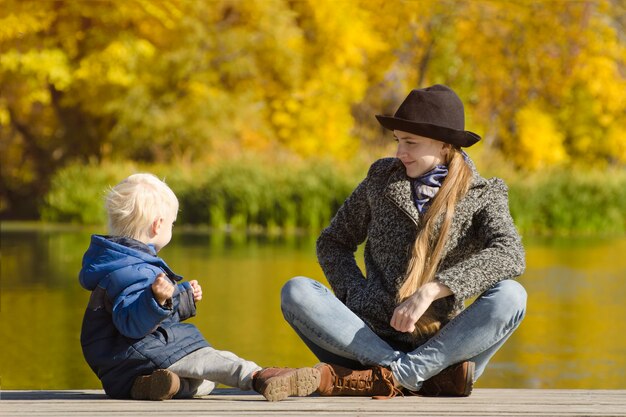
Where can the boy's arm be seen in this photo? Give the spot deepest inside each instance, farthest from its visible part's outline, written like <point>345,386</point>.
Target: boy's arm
<point>136,312</point>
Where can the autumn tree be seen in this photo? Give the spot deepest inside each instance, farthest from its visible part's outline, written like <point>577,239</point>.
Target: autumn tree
<point>178,82</point>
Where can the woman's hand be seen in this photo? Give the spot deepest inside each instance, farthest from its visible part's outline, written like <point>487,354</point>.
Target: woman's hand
<point>197,290</point>
<point>410,310</point>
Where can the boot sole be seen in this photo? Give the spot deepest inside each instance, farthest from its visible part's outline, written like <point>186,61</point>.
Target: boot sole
<point>158,386</point>
<point>301,383</point>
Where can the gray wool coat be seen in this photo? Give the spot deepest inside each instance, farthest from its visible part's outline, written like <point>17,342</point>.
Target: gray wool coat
<point>483,248</point>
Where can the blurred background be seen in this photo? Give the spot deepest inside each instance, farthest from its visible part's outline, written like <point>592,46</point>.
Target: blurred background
<point>260,116</point>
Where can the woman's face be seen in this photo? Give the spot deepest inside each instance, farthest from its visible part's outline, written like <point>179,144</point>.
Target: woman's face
<point>418,154</point>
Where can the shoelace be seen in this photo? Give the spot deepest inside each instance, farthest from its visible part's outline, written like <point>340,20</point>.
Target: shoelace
<point>394,390</point>
<point>353,384</point>
<point>368,381</point>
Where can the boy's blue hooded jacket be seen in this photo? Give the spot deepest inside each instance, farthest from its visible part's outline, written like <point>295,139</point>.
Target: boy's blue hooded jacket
<point>125,332</point>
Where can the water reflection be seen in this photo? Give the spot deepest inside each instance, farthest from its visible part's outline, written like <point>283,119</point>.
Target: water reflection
<point>573,335</point>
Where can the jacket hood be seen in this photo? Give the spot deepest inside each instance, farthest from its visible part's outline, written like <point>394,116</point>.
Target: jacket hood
<point>105,256</point>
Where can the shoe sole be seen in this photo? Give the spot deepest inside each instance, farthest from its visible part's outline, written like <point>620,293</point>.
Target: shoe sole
<point>300,383</point>
<point>158,386</point>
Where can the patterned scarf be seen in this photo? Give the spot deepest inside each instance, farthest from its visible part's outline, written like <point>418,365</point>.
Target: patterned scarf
<point>426,186</point>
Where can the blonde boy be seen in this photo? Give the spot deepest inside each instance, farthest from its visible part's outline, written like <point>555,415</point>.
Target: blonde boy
<point>133,336</point>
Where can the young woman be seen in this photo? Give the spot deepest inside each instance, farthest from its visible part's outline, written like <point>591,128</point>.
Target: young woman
<point>437,234</point>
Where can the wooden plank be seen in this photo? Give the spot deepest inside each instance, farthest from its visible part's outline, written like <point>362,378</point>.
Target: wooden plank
<point>482,402</point>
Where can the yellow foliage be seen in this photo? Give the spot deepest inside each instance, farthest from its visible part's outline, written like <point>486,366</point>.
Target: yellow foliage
<point>616,142</point>
<point>300,68</point>
<point>540,139</point>
<point>20,23</point>
<point>564,57</point>
<point>117,64</point>
<point>5,117</point>
<point>45,66</point>
<point>605,83</point>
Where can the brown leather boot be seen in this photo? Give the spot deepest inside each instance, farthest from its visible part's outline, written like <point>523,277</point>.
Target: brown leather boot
<point>454,381</point>
<point>373,382</point>
<point>159,385</point>
<point>276,384</point>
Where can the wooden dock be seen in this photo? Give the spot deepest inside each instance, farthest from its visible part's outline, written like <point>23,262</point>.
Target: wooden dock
<point>229,402</point>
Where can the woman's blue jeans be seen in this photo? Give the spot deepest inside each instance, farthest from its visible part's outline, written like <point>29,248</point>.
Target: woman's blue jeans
<point>336,335</point>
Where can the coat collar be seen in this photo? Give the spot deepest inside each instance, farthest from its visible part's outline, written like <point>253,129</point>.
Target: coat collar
<point>398,189</point>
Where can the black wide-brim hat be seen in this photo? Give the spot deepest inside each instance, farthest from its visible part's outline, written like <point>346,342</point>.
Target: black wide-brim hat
<point>435,112</point>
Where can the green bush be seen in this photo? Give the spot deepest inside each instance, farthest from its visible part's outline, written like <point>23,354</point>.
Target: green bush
<point>566,203</point>
<point>250,193</point>
<point>236,194</point>
<point>77,192</point>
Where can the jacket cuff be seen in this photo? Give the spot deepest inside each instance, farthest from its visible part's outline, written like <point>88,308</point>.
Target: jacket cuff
<point>457,287</point>
<point>186,303</point>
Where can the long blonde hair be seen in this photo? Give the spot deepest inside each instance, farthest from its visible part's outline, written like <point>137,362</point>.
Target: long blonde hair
<point>428,249</point>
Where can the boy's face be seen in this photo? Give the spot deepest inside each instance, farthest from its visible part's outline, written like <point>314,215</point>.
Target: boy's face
<point>164,231</point>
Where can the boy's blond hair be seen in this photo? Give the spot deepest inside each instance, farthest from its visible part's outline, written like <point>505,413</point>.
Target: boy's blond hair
<point>136,202</point>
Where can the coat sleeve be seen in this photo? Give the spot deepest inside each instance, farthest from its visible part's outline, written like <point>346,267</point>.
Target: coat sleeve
<point>136,312</point>
<point>501,257</point>
<point>337,243</point>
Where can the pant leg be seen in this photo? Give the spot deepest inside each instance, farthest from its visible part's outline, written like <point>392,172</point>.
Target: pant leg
<point>190,388</point>
<point>218,366</point>
<point>475,334</point>
<point>330,328</point>
<point>328,357</point>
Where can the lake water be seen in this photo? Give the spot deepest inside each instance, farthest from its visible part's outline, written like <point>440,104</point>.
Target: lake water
<point>574,334</point>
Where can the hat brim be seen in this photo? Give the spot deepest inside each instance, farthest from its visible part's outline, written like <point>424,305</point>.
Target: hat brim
<point>462,138</point>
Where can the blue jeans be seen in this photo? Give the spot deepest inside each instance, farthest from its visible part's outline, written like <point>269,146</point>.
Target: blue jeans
<point>336,335</point>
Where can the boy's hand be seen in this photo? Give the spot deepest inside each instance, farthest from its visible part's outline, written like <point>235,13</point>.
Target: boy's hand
<point>162,289</point>
<point>197,290</point>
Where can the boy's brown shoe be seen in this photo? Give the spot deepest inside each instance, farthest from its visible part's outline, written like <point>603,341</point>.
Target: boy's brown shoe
<point>373,382</point>
<point>159,385</point>
<point>454,381</point>
<point>276,384</point>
